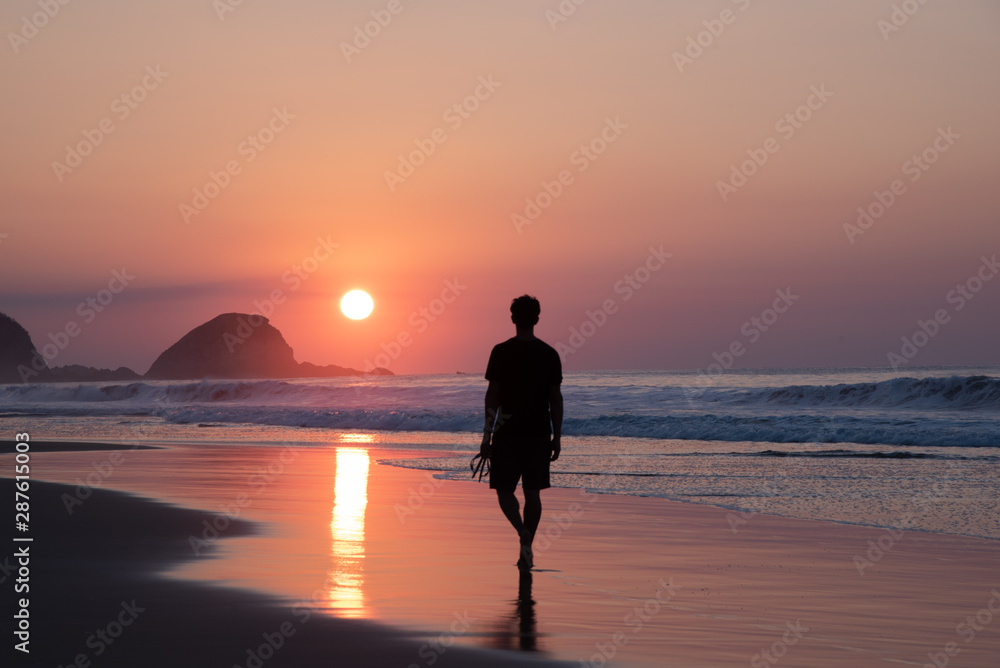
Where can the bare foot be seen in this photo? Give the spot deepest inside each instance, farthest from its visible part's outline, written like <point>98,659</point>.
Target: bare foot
<point>526,562</point>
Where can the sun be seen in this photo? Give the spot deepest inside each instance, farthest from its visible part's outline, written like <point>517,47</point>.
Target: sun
<point>357,304</point>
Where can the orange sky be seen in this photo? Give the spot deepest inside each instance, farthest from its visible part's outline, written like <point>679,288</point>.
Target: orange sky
<point>330,121</point>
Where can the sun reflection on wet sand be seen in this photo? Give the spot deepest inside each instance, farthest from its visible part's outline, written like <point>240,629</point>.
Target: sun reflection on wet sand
<point>347,529</point>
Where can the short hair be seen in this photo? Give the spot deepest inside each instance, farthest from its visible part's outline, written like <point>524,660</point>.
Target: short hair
<point>524,310</point>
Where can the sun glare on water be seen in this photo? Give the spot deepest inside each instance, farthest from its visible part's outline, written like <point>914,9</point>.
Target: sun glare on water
<point>357,304</point>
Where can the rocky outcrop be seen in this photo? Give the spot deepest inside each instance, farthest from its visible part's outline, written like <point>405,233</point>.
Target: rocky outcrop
<point>310,370</point>
<point>77,373</point>
<point>236,345</point>
<point>19,360</point>
<point>232,345</point>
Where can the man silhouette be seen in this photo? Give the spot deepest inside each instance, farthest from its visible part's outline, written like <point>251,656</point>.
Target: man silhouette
<point>524,412</point>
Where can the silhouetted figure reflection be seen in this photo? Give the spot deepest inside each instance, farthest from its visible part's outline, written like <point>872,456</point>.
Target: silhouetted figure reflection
<point>525,613</point>
<point>519,630</point>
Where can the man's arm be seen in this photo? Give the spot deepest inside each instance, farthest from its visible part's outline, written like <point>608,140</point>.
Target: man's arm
<point>556,411</point>
<point>492,406</point>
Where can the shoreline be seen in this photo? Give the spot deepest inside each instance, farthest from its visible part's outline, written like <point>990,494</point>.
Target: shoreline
<point>733,510</point>
<point>392,457</point>
<point>98,594</point>
<point>672,579</point>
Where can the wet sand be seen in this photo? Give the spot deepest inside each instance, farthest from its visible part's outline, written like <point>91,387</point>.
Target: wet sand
<point>391,560</point>
<point>97,597</point>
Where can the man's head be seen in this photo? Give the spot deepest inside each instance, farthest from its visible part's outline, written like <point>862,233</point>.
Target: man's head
<point>524,311</point>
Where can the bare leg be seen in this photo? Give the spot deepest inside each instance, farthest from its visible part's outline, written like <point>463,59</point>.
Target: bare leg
<point>511,509</point>
<point>532,516</point>
<point>532,510</point>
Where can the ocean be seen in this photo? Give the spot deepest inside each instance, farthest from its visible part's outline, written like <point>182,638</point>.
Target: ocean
<point>918,450</point>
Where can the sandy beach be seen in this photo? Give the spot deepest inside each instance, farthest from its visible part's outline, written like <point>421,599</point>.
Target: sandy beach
<point>403,569</point>
<point>724,274</point>
<point>98,597</point>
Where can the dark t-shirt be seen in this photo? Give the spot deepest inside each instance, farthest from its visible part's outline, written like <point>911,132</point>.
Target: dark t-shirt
<point>524,369</point>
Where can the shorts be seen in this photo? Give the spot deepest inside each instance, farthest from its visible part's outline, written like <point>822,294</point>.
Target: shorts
<point>520,458</point>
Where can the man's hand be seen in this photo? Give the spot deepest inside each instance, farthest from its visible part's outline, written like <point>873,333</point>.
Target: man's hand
<point>556,448</point>
<point>486,448</point>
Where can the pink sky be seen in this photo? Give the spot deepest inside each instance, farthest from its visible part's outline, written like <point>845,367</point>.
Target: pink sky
<point>331,121</point>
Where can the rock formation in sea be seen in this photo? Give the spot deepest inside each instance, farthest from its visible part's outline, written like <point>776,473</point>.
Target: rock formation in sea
<point>19,360</point>
<point>232,345</point>
<point>237,345</point>
<point>77,373</point>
